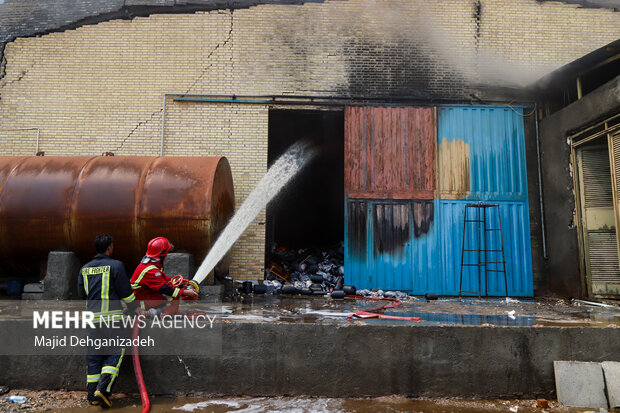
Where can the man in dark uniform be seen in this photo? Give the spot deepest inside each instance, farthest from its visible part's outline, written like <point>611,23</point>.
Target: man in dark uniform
<point>104,283</point>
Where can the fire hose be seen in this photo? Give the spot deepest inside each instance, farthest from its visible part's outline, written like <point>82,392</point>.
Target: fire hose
<point>373,312</point>
<point>146,403</point>
<point>177,281</point>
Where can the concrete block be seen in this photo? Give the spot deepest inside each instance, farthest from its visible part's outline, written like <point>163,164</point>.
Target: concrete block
<point>34,287</point>
<point>32,296</point>
<point>580,384</point>
<point>211,293</point>
<point>180,263</point>
<point>611,371</point>
<point>61,277</point>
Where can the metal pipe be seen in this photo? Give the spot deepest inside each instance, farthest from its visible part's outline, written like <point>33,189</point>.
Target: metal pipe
<point>359,99</point>
<point>596,304</point>
<point>261,102</point>
<point>163,125</point>
<point>540,186</point>
<point>323,100</point>
<point>36,148</point>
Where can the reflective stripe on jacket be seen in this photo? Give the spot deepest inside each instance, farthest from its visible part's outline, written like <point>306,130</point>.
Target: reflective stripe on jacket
<point>152,286</point>
<point>104,283</point>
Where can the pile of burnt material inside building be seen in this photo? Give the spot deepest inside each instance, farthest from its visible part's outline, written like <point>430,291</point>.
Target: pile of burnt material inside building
<point>309,271</point>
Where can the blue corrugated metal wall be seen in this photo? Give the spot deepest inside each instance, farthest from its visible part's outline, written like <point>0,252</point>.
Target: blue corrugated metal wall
<point>491,144</point>
<point>369,264</point>
<point>517,249</point>
<point>495,138</point>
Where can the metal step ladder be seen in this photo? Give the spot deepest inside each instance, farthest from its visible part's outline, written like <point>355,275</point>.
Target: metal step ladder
<point>486,254</point>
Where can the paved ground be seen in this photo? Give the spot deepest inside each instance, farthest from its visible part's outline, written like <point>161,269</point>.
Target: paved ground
<point>445,311</point>
<point>323,310</point>
<point>73,402</point>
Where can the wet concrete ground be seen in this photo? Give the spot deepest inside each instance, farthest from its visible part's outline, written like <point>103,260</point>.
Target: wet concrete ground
<point>445,311</point>
<point>387,404</point>
<point>319,310</point>
<point>322,310</point>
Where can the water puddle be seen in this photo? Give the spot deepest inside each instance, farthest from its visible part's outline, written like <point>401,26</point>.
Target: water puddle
<point>322,310</point>
<point>316,405</point>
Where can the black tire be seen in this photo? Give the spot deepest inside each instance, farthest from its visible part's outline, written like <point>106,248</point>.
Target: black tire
<point>260,289</point>
<point>338,294</point>
<point>247,287</point>
<point>349,290</point>
<point>339,283</point>
<point>289,289</point>
<point>317,279</point>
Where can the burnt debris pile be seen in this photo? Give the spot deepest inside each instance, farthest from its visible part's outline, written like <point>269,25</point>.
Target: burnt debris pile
<point>309,271</point>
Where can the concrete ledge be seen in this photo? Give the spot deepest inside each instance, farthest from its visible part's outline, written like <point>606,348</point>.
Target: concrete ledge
<point>211,293</point>
<point>32,296</point>
<point>351,360</point>
<point>61,276</point>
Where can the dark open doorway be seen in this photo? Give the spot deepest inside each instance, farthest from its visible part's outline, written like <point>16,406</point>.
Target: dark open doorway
<point>309,212</point>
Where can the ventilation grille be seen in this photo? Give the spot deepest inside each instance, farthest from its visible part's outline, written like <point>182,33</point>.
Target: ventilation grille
<point>603,252</point>
<point>597,177</point>
<point>616,148</point>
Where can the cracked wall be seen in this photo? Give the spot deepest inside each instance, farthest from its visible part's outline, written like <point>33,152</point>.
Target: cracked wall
<point>99,87</point>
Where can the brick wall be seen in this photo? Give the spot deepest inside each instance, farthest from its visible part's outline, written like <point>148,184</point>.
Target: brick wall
<point>100,87</point>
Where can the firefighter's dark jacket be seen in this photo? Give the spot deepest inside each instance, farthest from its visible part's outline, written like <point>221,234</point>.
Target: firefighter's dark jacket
<point>104,283</point>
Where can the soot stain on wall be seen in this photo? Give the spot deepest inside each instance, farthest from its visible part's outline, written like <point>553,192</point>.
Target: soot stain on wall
<point>405,69</point>
<point>390,228</point>
<point>357,235</point>
<point>392,225</point>
<point>423,217</point>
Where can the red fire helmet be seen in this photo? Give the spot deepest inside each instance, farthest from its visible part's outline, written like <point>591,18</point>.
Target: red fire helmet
<point>159,248</point>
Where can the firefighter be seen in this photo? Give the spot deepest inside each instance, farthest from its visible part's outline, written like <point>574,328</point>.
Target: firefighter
<point>152,287</point>
<point>104,284</point>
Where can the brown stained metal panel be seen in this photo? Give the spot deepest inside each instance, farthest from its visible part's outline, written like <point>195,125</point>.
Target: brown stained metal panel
<point>389,152</point>
<point>454,165</point>
<point>356,148</point>
<point>50,203</point>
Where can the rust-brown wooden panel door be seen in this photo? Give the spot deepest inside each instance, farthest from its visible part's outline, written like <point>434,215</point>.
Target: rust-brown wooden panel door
<point>390,152</point>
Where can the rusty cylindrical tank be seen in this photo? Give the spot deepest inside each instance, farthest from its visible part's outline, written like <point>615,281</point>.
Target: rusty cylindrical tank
<point>52,203</point>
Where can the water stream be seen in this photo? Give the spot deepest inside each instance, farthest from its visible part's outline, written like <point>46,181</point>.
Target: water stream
<point>283,169</point>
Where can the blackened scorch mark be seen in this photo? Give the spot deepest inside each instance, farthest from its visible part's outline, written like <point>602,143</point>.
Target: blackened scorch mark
<point>423,216</point>
<point>406,69</point>
<point>357,217</point>
<point>478,20</point>
<point>390,228</point>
